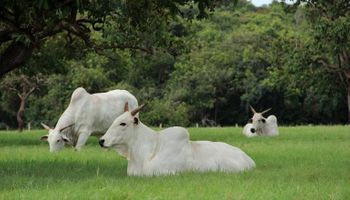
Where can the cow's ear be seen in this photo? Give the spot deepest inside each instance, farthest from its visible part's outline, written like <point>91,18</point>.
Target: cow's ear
<point>136,120</point>
<point>126,107</point>
<point>44,138</point>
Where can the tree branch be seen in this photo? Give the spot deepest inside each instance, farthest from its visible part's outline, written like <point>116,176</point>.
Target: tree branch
<point>93,23</point>
<point>9,22</point>
<point>64,3</point>
<point>30,92</point>
<point>13,89</point>
<point>15,55</point>
<point>122,46</point>
<point>50,30</point>
<point>6,11</point>
<point>76,30</point>
<point>19,95</point>
<point>5,36</point>
<point>331,67</point>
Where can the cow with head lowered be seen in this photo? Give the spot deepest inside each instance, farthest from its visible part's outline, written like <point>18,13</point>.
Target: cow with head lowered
<point>261,126</point>
<point>169,151</point>
<point>87,114</point>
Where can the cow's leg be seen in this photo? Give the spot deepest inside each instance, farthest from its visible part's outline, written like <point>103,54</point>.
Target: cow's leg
<point>83,137</point>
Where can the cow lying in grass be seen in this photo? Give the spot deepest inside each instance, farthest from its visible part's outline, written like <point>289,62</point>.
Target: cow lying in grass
<point>87,114</point>
<point>261,126</point>
<point>169,151</point>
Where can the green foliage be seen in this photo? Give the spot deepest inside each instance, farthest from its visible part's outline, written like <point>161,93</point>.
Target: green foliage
<point>50,106</point>
<point>230,63</point>
<point>212,68</point>
<point>310,57</point>
<point>163,112</point>
<point>327,49</point>
<point>138,25</point>
<point>89,73</point>
<point>8,109</point>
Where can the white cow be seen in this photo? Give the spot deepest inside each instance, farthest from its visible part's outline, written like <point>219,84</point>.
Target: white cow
<point>87,114</point>
<point>169,151</point>
<point>261,126</point>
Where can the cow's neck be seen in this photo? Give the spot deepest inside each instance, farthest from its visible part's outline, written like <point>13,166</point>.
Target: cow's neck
<point>65,120</point>
<point>259,131</point>
<point>141,147</point>
<point>262,130</point>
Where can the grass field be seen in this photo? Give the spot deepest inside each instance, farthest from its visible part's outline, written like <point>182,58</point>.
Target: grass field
<point>301,163</point>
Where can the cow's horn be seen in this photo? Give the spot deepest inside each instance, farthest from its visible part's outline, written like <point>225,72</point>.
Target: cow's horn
<point>251,108</point>
<point>45,126</point>
<point>265,111</point>
<point>134,112</point>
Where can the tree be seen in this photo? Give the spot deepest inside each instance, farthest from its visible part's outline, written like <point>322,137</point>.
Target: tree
<point>228,64</point>
<point>26,25</point>
<point>23,86</point>
<point>330,45</point>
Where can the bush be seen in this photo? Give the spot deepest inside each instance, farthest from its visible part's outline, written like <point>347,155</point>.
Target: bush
<point>160,111</point>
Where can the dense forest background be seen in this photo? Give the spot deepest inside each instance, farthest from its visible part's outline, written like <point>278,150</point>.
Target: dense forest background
<point>202,69</point>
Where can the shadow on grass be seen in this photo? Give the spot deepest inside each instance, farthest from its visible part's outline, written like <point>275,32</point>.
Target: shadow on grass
<point>33,141</point>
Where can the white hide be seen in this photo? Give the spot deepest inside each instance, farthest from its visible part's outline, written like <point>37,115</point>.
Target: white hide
<point>247,130</point>
<point>87,114</point>
<point>169,151</point>
<point>259,128</point>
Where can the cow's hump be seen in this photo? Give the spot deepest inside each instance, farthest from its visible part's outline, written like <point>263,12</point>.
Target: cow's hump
<point>78,94</point>
<point>272,119</point>
<point>175,133</point>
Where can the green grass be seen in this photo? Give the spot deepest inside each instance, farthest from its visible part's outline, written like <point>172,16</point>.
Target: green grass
<point>301,163</point>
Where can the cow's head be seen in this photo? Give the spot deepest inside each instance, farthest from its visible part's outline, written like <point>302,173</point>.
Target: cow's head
<point>258,120</point>
<point>122,129</point>
<point>55,138</point>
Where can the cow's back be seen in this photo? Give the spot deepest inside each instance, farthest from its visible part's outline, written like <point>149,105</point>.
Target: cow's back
<point>212,156</point>
<point>172,140</point>
<point>96,112</point>
<point>111,104</point>
<point>271,126</point>
<point>171,153</point>
<point>272,119</point>
<point>78,95</point>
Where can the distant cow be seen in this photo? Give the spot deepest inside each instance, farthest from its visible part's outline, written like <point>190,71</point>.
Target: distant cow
<point>87,114</point>
<point>261,126</point>
<point>169,151</point>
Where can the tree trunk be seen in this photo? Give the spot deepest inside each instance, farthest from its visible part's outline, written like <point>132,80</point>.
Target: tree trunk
<point>344,62</point>
<point>348,97</point>
<point>216,112</point>
<point>20,114</point>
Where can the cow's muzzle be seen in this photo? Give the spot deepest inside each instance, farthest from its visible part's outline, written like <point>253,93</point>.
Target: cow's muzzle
<point>101,142</point>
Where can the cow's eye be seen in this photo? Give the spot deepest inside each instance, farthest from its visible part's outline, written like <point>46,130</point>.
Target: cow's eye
<point>263,120</point>
<point>122,124</point>
<point>58,140</point>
